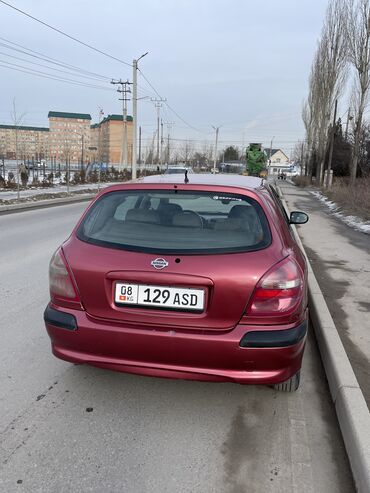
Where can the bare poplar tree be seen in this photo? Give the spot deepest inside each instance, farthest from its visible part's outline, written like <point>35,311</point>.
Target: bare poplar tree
<point>308,117</point>
<point>358,34</point>
<point>327,77</point>
<point>186,151</point>
<point>17,121</point>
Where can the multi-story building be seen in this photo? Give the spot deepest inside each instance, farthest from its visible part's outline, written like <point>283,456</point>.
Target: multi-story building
<point>69,136</point>
<point>107,137</point>
<point>23,142</point>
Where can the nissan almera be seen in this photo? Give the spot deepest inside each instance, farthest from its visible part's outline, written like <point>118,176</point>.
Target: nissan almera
<point>198,279</point>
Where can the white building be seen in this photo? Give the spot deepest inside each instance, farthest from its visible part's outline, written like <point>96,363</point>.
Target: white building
<point>277,161</point>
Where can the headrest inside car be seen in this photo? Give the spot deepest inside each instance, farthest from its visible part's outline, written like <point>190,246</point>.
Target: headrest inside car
<point>187,219</point>
<point>142,216</point>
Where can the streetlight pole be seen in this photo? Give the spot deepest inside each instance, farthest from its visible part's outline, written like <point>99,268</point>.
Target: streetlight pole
<point>134,115</point>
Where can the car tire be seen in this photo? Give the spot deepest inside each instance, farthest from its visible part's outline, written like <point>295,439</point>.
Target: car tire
<point>290,385</point>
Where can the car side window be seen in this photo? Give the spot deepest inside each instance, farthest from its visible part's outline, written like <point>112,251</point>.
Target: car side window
<point>280,204</point>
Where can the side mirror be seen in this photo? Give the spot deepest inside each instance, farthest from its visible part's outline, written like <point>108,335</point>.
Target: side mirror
<point>298,217</point>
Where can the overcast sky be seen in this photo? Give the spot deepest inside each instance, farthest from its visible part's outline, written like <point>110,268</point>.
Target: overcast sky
<point>241,64</point>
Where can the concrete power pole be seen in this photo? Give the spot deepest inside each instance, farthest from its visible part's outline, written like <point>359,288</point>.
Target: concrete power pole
<point>134,115</point>
<point>272,140</point>
<point>124,90</point>
<point>161,142</point>
<point>169,127</point>
<point>139,160</point>
<point>134,118</point>
<point>216,142</point>
<point>158,104</point>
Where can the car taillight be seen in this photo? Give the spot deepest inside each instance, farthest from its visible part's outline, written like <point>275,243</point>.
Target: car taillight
<point>279,291</point>
<point>60,282</point>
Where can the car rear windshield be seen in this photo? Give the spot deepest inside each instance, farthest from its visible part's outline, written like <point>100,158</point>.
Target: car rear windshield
<point>185,222</point>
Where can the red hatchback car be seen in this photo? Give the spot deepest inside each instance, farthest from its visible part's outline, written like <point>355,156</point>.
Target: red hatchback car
<point>197,278</point>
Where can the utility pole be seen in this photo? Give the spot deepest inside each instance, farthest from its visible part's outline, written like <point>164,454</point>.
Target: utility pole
<point>161,142</point>
<point>272,140</point>
<point>100,144</point>
<point>331,145</point>
<point>169,127</point>
<point>134,118</point>
<point>139,160</point>
<point>124,90</point>
<point>216,142</point>
<point>158,104</point>
<point>134,114</point>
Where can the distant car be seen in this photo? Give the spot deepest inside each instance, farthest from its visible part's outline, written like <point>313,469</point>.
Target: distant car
<point>178,170</point>
<point>95,167</point>
<point>34,165</point>
<point>199,279</point>
<point>282,176</point>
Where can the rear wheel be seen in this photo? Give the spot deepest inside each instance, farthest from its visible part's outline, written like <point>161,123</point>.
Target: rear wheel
<point>290,385</point>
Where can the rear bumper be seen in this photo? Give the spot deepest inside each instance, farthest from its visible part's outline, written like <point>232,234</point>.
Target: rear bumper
<point>171,354</point>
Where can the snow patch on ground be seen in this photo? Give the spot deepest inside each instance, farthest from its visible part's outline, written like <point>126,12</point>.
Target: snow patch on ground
<point>32,192</point>
<point>352,221</point>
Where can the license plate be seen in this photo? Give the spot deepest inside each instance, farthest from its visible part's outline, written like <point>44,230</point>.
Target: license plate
<point>159,296</point>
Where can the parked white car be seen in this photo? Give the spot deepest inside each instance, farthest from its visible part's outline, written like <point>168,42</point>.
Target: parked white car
<point>178,170</point>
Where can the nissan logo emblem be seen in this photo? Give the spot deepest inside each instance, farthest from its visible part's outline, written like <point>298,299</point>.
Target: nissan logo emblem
<point>159,263</point>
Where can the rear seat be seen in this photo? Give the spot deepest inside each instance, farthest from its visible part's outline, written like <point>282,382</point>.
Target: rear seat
<point>147,216</point>
<point>242,218</point>
<point>167,211</point>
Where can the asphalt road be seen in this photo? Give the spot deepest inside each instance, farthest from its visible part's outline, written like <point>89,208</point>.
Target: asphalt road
<point>142,434</point>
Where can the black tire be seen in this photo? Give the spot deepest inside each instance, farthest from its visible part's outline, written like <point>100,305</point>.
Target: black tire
<point>290,385</point>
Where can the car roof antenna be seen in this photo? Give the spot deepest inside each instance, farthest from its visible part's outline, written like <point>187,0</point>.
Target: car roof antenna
<point>186,176</point>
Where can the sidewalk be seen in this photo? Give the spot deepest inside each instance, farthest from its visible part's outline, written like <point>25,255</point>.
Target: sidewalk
<point>340,258</point>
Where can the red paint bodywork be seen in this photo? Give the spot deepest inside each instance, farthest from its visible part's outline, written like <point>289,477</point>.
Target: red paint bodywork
<point>200,346</point>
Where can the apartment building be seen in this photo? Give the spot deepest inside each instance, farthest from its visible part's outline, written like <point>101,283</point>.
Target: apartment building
<point>69,136</point>
<point>23,142</point>
<point>107,137</point>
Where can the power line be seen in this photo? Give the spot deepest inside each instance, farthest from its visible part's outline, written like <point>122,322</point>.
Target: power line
<point>98,51</point>
<point>49,68</point>
<point>46,58</point>
<point>168,105</point>
<point>148,82</point>
<point>184,121</point>
<point>65,34</point>
<point>58,63</point>
<point>45,75</point>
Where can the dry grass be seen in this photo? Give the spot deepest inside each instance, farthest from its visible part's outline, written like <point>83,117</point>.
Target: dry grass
<point>301,181</point>
<point>354,199</point>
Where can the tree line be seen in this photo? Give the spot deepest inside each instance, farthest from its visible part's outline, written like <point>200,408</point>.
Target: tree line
<point>341,65</point>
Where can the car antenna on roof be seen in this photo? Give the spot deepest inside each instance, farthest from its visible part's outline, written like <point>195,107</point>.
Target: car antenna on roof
<point>186,176</point>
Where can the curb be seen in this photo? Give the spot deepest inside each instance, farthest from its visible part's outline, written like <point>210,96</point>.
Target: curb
<point>12,208</point>
<point>350,405</point>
